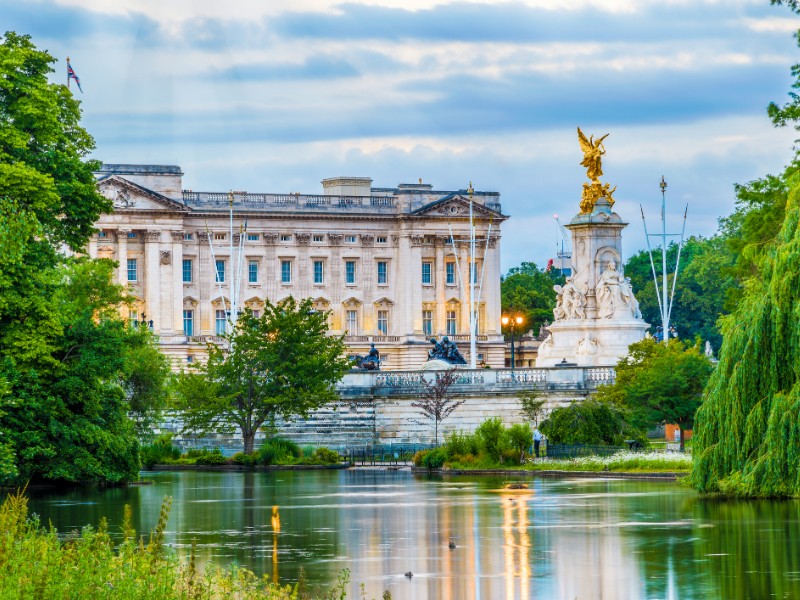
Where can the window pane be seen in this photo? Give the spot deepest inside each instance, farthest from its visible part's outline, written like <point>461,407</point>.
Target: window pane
<point>383,321</point>
<point>188,322</point>
<point>132,272</point>
<point>220,271</point>
<point>381,272</point>
<point>450,270</point>
<point>318,271</point>
<point>252,271</point>
<point>352,322</point>
<point>427,322</point>
<point>426,273</point>
<point>286,271</point>
<point>187,270</point>
<point>451,322</point>
<point>221,322</point>
<point>350,271</point>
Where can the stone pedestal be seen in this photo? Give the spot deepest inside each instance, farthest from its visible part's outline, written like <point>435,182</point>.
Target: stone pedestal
<point>597,317</point>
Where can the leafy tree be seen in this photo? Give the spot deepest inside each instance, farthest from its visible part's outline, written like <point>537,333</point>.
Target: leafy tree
<point>280,364</point>
<point>64,351</point>
<point>532,405</point>
<point>528,291</point>
<point>660,382</point>
<point>520,438</point>
<point>590,421</point>
<point>435,402</point>
<point>704,285</point>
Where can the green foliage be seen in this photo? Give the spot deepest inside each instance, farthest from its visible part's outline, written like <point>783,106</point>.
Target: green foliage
<point>747,433</point>
<point>528,291</point>
<point>460,443</point>
<point>520,438</point>
<point>490,434</point>
<point>590,421</point>
<point>705,285</point>
<point>160,451</point>
<point>37,563</point>
<point>659,383</point>
<point>430,459</point>
<point>280,364</point>
<point>69,365</point>
<point>278,451</point>
<point>325,456</point>
<point>531,405</point>
<point>204,456</point>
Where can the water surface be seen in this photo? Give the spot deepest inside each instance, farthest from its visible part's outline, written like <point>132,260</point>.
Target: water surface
<point>561,538</point>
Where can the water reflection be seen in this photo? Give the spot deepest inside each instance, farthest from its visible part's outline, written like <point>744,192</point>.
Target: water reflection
<point>559,539</point>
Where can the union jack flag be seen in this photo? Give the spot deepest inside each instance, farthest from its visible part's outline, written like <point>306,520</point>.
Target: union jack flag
<point>71,75</point>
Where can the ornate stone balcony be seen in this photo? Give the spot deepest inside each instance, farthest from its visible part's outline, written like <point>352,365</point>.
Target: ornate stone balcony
<point>290,202</point>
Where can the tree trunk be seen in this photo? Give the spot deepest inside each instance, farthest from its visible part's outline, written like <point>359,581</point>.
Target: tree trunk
<point>681,430</point>
<point>249,438</point>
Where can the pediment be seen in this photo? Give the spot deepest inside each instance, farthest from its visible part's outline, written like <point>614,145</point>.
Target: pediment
<point>384,303</point>
<point>128,196</point>
<point>457,207</point>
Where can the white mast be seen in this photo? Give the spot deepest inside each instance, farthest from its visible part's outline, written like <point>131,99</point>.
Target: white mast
<point>473,318</point>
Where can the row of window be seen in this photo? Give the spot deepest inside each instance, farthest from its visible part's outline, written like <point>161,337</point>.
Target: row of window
<point>221,322</point>
<point>254,237</point>
<point>318,274</point>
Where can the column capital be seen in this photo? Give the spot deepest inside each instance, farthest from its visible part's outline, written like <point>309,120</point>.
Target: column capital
<point>177,235</point>
<point>152,235</point>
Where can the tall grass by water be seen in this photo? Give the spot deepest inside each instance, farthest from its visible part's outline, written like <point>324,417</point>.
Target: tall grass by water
<point>37,562</point>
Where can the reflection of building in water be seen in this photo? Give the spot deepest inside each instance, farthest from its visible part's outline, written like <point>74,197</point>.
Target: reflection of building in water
<point>276,529</point>
<point>516,544</point>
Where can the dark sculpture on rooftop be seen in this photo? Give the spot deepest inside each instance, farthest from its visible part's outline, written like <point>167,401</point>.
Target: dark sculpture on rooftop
<point>445,351</point>
<point>370,362</point>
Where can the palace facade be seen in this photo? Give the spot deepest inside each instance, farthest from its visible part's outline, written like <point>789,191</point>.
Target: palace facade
<point>391,266</point>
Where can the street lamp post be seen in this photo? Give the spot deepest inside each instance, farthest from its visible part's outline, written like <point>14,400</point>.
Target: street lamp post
<point>512,322</point>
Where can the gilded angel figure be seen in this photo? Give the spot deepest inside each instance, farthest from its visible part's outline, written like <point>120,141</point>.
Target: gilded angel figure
<point>593,150</point>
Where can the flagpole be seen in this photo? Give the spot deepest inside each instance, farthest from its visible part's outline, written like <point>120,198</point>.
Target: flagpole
<point>68,73</point>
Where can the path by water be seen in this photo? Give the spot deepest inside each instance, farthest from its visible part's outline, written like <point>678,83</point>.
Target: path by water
<point>560,539</point>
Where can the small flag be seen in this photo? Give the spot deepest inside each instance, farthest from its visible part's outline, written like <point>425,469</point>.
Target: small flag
<point>71,75</point>
<point>549,265</point>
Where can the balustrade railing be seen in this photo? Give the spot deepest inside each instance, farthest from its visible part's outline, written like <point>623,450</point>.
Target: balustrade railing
<point>521,375</point>
<point>398,378</point>
<point>294,200</point>
<point>600,374</point>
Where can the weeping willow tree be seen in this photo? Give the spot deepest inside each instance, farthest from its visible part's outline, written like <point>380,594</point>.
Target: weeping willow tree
<point>747,434</point>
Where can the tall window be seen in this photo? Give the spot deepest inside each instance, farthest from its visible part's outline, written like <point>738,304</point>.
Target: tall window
<point>352,322</point>
<point>253,237</point>
<point>350,272</point>
<point>427,322</point>
<point>221,322</point>
<point>382,272</point>
<point>188,322</point>
<point>383,322</point>
<point>132,270</point>
<point>286,271</point>
<point>252,271</point>
<point>187,270</point>
<point>220,271</point>
<point>319,271</point>
<point>426,273</point>
<point>451,322</point>
<point>474,269</point>
<point>450,273</point>
<point>133,317</point>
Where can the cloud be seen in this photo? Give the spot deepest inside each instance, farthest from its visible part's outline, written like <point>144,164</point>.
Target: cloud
<point>315,67</point>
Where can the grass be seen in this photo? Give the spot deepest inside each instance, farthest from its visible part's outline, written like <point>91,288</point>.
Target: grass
<point>35,562</point>
<point>627,462</point>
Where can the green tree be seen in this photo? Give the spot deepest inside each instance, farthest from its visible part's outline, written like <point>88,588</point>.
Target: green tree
<point>528,291</point>
<point>282,363</point>
<point>435,402</point>
<point>660,383</point>
<point>590,421</point>
<point>532,405</point>
<point>64,352</point>
<point>705,282</point>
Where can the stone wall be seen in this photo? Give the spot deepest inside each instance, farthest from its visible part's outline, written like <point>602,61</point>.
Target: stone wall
<point>376,408</point>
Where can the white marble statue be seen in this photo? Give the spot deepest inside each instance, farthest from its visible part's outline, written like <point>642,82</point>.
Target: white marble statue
<point>569,302</point>
<point>587,345</point>
<point>614,293</point>
<point>709,350</point>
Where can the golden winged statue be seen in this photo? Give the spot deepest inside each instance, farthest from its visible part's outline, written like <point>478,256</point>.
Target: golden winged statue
<point>593,150</point>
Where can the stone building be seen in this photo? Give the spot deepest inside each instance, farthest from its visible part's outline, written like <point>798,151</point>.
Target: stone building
<point>391,265</point>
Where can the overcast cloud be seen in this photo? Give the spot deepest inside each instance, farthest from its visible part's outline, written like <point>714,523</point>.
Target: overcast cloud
<point>275,96</point>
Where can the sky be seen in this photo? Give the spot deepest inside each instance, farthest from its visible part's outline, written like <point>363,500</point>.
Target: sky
<point>274,96</point>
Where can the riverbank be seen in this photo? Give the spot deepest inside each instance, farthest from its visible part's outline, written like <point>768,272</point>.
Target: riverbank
<point>646,476</point>
<point>234,468</point>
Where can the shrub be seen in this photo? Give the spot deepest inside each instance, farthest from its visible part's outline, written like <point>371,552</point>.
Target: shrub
<point>204,456</point>
<point>418,457</point>
<point>246,460</point>
<point>434,459</point>
<point>278,451</point>
<point>325,456</point>
<point>161,451</point>
<point>510,456</point>
<point>460,443</point>
<point>590,421</point>
<point>519,438</point>
<point>490,433</point>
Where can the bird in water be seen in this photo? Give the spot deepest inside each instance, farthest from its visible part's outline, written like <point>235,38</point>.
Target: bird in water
<point>409,574</point>
<point>452,544</point>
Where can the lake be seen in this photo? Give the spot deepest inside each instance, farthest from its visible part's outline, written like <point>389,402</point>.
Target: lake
<point>560,538</point>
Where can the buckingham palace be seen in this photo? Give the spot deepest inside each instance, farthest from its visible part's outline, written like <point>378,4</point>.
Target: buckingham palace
<point>391,266</point>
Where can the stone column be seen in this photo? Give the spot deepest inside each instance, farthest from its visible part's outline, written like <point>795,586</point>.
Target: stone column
<point>152,278</point>
<point>337,284</point>
<point>205,285</point>
<point>414,281</point>
<point>441,277</point>
<point>177,282</point>
<point>405,294</point>
<point>491,290</point>
<point>92,249</point>
<point>122,254</point>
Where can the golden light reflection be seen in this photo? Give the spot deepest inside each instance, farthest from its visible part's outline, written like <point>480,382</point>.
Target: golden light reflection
<point>516,543</point>
<point>276,529</point>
